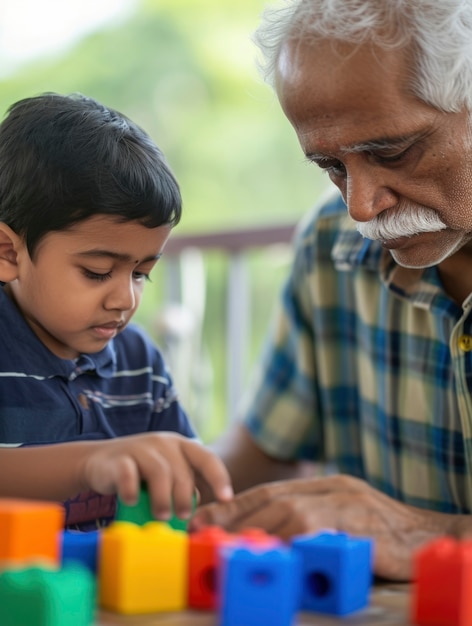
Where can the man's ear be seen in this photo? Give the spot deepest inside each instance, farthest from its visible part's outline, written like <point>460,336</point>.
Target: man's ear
<point>10,244</point>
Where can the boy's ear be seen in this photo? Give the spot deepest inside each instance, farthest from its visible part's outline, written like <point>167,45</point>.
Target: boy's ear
<point>9,246</point>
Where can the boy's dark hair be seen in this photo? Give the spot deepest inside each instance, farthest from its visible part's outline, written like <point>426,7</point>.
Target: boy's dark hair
<point>64,159</point>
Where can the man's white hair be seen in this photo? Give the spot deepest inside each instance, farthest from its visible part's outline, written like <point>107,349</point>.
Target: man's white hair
<point>438,33</point>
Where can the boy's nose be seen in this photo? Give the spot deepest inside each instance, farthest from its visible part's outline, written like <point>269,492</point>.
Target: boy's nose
<point>121,296</point>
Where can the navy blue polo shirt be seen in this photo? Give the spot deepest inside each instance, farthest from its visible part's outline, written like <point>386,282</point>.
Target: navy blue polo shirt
<point>123,389</point>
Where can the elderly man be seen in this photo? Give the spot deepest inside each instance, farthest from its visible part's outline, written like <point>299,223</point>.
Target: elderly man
<point>369,364</point>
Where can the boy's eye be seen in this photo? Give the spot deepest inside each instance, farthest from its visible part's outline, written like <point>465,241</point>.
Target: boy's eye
<point>96,276</point>
<point>141,276</point>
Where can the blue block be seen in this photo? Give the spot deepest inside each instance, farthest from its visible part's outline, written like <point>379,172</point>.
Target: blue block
<point>336,572</point>
<point>259,586</point>
<point>81,547</point>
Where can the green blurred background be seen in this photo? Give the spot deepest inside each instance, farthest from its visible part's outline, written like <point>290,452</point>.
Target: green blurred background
<point>185,70</point>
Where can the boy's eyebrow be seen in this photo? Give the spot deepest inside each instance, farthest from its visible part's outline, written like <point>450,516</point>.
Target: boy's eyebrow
<point>379,143</point>
<point>118,256</point>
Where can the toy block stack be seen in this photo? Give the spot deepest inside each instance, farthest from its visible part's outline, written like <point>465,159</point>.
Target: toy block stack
<point>137,565</point>
<point>34,589</point>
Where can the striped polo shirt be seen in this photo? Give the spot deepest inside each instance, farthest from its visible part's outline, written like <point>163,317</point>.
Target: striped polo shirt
<point>124,389</point>
<point>368,366</point>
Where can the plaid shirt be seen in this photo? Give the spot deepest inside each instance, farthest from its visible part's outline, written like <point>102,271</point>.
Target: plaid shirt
<point>369,367</point>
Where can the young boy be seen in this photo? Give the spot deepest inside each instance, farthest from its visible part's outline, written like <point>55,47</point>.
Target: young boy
<point>87,202</point>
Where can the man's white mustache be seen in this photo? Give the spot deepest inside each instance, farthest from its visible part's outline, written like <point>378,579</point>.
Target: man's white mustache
<point>404,222</point>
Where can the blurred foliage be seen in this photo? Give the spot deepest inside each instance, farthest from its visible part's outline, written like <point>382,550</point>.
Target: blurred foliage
<point>185,71</point>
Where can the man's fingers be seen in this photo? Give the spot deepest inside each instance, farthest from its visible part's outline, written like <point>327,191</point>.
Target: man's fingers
<point>231,514</point>
<point>246,504</point>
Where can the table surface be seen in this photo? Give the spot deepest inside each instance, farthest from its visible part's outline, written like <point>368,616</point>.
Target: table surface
<point>389,605</point>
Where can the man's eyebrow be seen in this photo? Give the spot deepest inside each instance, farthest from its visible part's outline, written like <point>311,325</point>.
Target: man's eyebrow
<point>379,143</point>
<point>118,256</point>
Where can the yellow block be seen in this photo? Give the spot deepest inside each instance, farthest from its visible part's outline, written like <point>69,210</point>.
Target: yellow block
<point>143,569</point>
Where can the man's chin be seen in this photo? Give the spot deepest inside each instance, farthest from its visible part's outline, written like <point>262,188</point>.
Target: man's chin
<point>415,258</point>
<point>412,263</point>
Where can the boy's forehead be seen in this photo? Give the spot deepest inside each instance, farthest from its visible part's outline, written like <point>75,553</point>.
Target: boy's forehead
<point>105,236</point>
<point>113,254</point>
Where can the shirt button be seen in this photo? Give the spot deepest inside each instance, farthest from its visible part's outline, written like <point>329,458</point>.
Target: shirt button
<point>465,343</point>
<point>85,403</point>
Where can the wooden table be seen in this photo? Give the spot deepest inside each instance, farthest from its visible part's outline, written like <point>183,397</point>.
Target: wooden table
<point>389,606</point>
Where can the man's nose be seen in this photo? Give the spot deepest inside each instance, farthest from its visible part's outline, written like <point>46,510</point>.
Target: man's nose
<point>121,296</point>
<point>368,193</point>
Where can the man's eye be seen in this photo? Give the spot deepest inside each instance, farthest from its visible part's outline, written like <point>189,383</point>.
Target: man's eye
<point>332,167</point>
<point>391,158</point>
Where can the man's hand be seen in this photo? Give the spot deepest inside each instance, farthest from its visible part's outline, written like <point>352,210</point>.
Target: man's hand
<point>171,465</point>
<point>295,507</point>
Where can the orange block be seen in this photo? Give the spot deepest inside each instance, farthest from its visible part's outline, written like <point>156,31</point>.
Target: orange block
<point>30,532</point>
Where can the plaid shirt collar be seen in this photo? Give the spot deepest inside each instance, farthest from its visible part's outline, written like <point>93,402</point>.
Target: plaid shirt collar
<point>422,287</point>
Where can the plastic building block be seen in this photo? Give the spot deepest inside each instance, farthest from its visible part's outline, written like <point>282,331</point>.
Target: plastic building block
<point>30,532</point>
<point>141,513</point>
<point>143,569</point>
<point>204,564</point>
<point>40,597</point>
<point>258,537</point>
<point>259,586</point>
<point>81,547</point>
<point>442,571</point>
<point>336,572</point>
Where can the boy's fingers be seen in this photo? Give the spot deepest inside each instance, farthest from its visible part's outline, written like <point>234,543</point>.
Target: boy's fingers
<point>157,472</point>
<point>210,467</point>
<point>183,493</point>
<point>127,481</point>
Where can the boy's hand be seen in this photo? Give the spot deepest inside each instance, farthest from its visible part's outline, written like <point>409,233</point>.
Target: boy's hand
<point>170,464</point>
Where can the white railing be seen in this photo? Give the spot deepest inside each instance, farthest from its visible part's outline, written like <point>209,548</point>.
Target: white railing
<point>182,318</point>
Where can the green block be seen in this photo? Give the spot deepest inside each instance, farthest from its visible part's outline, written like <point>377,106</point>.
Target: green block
<point>141,513</point>
<point>41,597</point>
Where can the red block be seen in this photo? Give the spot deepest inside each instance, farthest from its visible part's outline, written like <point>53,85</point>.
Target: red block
<point>442,593</point>
<point>258,537</point>
<point>204,548</point>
